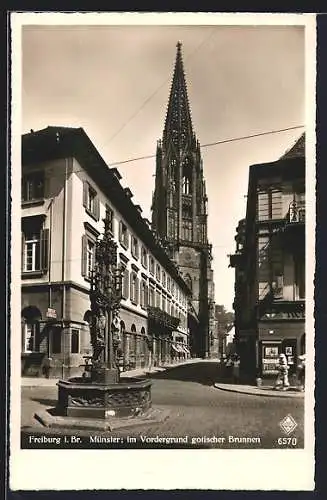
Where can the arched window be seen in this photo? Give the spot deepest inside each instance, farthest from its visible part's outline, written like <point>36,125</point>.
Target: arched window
<point>87,316</point>
<point>31,317</point>
<point>122,327</point>
<point>143,330</point>
<point>133,328</point>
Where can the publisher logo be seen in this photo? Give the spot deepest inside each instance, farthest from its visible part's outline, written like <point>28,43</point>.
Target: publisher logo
<point>288,424</point>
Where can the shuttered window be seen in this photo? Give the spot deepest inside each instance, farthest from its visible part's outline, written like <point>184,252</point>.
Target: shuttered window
<point>125,288</point>
<point>35,246</point>
<point>123,234</point>
<point>88,256</point>
<point>134,288</point>
<point>91,201</point>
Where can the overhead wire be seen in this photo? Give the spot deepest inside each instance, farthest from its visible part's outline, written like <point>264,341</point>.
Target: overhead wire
<point>223,141</point>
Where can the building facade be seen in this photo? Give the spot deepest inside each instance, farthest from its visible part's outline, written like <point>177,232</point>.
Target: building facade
<point>269,267</point>
<point>67,190</point>
<point>179,210</point>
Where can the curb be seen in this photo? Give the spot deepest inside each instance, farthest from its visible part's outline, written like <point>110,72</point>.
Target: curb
<point>263,393</point>
<point>154,416</point>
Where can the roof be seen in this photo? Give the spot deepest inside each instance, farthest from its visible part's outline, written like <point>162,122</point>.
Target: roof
<point>64,142</point>
<point>296,151</point>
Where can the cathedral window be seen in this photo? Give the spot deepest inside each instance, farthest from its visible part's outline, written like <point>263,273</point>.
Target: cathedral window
<point>186,185</point>
<point>187,211</point>
<point>187,230</point>
<point>188,281</point>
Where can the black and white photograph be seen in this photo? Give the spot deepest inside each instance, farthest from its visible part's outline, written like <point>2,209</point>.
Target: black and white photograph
<point>163,221</point>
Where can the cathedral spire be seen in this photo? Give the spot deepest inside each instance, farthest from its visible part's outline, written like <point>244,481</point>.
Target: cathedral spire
<point>178,125</point>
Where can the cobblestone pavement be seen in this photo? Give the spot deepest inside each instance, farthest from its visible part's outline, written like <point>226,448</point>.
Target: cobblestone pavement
<point>199,414</point>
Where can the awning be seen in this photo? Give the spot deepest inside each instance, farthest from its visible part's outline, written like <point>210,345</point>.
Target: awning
<point>186,349</point>
<point>174,347</point>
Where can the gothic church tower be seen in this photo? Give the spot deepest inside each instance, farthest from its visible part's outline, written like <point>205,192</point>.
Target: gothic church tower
<point>179,209</point>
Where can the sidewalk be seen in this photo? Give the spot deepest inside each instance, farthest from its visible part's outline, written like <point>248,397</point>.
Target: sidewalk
<point>266,391</point>
<point>138,372</point>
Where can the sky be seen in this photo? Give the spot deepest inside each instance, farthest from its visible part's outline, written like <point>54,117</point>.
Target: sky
<point>114,81</point>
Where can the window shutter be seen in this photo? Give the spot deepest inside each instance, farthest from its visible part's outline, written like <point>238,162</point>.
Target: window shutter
<point>85,193</point>
<point>97,208</point>
<point>44,249</point>
<point>126,284</point>
<point>23,249</point>
<point>137,290</point>
<point>84,263</point>
<point>120,231</point>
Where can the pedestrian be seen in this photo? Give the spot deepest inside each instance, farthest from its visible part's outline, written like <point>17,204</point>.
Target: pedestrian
<point>282,381</point>
<point>301,371</point>
<point>228,367</point>
<point>236,368</point>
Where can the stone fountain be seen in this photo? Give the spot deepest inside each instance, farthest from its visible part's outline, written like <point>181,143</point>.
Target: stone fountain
<point>101,393</point>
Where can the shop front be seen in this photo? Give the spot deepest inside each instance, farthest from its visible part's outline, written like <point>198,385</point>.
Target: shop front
<point>277,338</point>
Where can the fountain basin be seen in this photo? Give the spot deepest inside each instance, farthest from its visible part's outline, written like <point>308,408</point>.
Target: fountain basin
<point>81,398</point>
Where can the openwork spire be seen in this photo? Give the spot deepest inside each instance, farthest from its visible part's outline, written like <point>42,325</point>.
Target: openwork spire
<point>178,125</point>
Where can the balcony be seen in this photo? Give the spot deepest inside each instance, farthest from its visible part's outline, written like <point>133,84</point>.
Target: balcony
<point>296,213</point>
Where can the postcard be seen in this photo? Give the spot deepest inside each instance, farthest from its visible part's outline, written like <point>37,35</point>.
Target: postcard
<point>162,219</point>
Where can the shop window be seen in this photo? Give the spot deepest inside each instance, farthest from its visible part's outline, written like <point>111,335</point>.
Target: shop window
<point>74,347</point>
<point>33,186</point>
<point>91,201</point>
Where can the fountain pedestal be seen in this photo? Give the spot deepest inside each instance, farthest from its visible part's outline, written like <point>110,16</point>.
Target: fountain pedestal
<point>81,398</point>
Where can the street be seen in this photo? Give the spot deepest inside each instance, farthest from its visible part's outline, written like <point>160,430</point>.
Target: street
<point>201,414</point>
